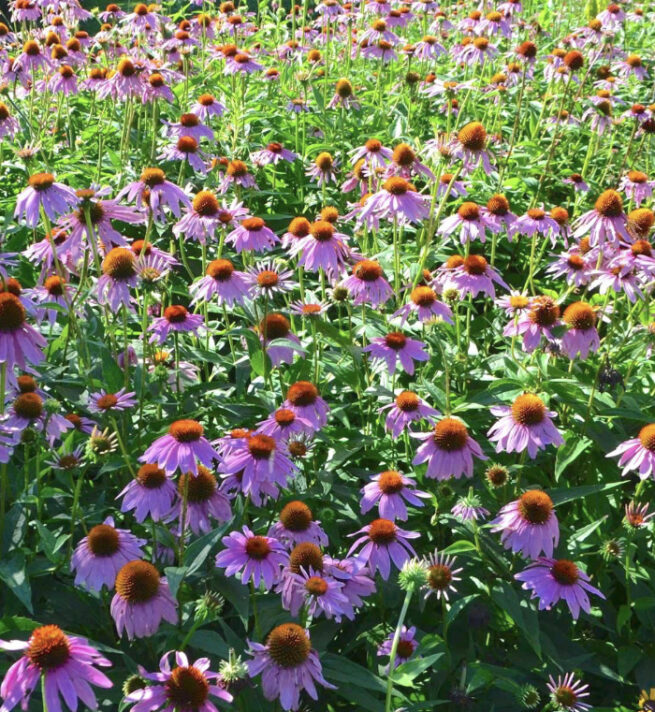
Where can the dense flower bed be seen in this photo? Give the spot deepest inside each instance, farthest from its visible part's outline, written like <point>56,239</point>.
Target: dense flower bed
<point>326,368</point>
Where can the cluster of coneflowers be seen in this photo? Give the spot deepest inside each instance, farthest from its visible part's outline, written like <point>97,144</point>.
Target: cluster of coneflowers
<point>183,256</point>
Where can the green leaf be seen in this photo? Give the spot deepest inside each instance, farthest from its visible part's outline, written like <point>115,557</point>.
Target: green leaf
<point>13,623</point>
<point>174,576</point>
<point>342,669</point>
<point>459,605</point>
<point>197,553</point>
<point>569,453</point>
<point>524,616</point>
<point>459,547</point>
<point>112,375</point>
<point>407,672</point>
<point>623,617</point>
<point>561,495</point>
<point>13,575</point>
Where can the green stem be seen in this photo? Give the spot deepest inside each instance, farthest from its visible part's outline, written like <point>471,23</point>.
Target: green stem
<point>394,648</point>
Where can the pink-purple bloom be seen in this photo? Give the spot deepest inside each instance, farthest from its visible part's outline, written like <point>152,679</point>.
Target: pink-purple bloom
<point>396,348</point>
<point>43,192</point>
<point>260,558</point>
<point>181,448</point>
<point>288,665</point>
<point>100,555</point>
<point>390,491</point>
<point>186,687</point>
<point>528,525</point>
<point>142,600</point>
<point>67,665</point>
<point>383,542</point>
<point>525,425</point>
<point>448,449</point>
<point>551,580</point>
<point>638,454</point>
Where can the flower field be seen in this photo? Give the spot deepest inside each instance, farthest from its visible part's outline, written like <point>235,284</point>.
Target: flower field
<point>326,356</point>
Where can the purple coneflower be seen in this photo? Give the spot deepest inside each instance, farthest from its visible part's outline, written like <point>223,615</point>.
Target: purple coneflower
<point>273,154</point>
<point>636,515</point>
<point>185,688</point>
<point>322,249</point>
<point>475,275</point>
<point>539,321</point>
<point>550,580</point>
<point>498,213</point>
<point>423,300</point>
<point>471,146</point>
<point>261,463</point>
<point>266,279</point>
<point>66,664</point>
<point>237,174</point>
<point>323,169</point>
<point>103,402</point>
<point>222,281</point>
<point>252,234</point>
<point>404,163</point>
<point>189,125</point>
<point>274,327</point>
<point>185,149</point>
<point>441,573</point>
<point>64,81</point>
<point>373,154</point>
<point>207,106</point>
<point>101,554</point>
<point>297,525</point>
<point>470,222</point>
<point>9,125</point>
<point>204,501</point>
<point>468,509</point>
<point>398,201</point>
<point>288,665</point>
<point>407,408</point>
<point>204,216</point>
<point>405,648</point>
<point>395,347</point>
<point>284,423</point>
<point>150,494</point>
<point>448,449</point>
<point>578,183</point>
<point>582,336</point>
<point>457,189</point>
<point>390,490</point>
<point>28,410</point>
<point>383,542</point>
<point>605,223</point>
<point>54,290</point>
<point>575,265</point>
<point>638,453</point>
<point>153,191</point>
<point>367,284</point>
<point>260,558</point>
<point>526,424</point>
<point>567,693</point>
<point>180,448</point>
<point>319,593</point>
<point>176,319</point>
<point>537,222</point>
<point>142,600</point>
<point>19,342</point>
<point>528,524</point>
<point>242,63</point>
<point>636,186</point>
<point>43,192</point>
<point>304,400</point>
